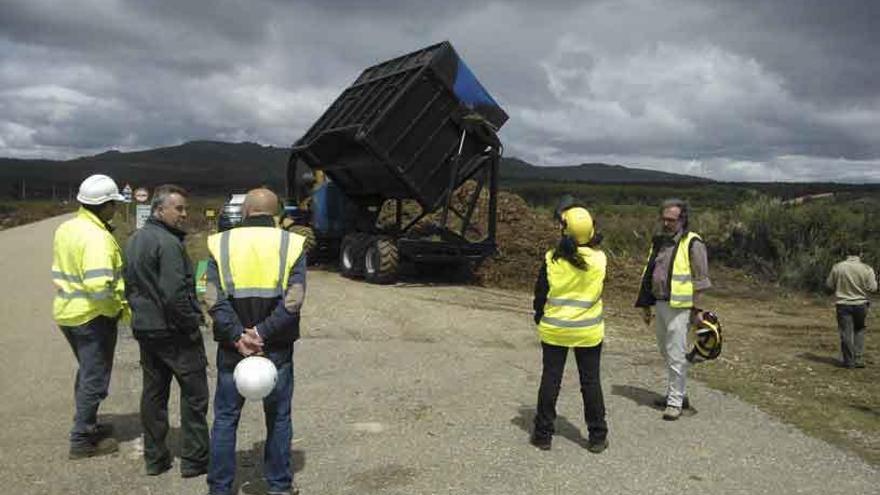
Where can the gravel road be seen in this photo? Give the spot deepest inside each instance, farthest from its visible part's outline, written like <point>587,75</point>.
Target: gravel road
<point>409,389</point>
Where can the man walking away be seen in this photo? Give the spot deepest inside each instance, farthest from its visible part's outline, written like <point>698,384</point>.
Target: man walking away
<point>673,279</point>
<point>851,280</point>
<point>160,288</point>
<point>256,286</point>
<point>89,300</point>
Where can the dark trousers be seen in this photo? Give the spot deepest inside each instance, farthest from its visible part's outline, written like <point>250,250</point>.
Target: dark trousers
<point>279,431</point>
<point>851,324</point>
<point>591,389</point>
<point>185,360</point>
<point>93,345</point>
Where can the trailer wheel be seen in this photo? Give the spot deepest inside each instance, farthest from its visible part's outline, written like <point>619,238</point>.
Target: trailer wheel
<point>351,255</point>
<point>381,260</point>
<point>310,242</point>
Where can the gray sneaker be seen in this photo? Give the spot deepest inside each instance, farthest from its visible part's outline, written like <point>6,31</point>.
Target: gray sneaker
<point>661,403</point>
<point>671,413</point>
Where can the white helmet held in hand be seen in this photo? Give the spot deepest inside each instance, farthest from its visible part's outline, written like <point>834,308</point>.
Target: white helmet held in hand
<point>255,377</point>
<point>98,189</point>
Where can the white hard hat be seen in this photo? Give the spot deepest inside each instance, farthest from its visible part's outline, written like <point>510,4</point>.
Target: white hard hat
<point>255,377</point>
<point>98,189</point>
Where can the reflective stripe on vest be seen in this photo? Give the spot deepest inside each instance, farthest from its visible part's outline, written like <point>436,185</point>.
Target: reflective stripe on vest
<point>572,323</point>
<point>88,274</point>
<point>573,313</point>
<point>681,286</point>
<point>255,261</point>
<point>97,296</point>
<point>556,301</point>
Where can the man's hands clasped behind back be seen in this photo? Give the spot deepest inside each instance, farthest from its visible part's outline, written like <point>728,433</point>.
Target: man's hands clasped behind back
<point>249,343</point>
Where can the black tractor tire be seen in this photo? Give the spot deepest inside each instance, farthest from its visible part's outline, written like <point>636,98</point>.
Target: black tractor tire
<point>310,242</point>
<point>351,255</point>
<point>381,261</point>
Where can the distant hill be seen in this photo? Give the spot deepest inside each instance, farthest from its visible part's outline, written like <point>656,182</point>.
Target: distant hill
<point>202,166</point>
<point>218,167</point>
<point>516,169</point>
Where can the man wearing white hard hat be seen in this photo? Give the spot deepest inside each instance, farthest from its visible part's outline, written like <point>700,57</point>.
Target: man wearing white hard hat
<point>89,301</point>
<point>255,288</point>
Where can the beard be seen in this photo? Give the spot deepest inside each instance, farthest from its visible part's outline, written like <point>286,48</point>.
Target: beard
<point>662,236</point>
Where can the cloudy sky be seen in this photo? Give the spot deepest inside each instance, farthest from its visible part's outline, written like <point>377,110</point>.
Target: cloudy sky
<point>735,90</point>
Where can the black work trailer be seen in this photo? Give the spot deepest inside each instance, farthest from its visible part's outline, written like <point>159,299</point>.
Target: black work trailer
<point>416,136</point>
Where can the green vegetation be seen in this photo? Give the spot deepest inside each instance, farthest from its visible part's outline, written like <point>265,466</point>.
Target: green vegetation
<point>15,213</point>
<point>792,243</point>
<point>798,244</point>
<point>546,194</point>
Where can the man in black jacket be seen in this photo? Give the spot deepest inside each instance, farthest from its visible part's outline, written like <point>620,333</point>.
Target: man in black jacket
<point>256,286</point>
<point>166,319</point>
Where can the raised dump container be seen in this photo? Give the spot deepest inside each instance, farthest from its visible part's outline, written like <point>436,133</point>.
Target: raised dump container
<point>393,132</point>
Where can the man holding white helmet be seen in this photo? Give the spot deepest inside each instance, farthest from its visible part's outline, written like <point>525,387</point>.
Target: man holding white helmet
<point>255,288</point>
<point>89,300</point>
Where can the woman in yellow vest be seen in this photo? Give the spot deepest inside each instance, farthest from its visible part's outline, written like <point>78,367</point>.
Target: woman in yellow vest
<point>568,313</point>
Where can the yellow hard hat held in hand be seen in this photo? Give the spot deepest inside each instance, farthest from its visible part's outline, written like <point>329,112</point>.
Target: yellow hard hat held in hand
<point>707,338</point>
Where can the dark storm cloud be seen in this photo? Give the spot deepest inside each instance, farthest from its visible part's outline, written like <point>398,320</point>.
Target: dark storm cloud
<point>746,90</point>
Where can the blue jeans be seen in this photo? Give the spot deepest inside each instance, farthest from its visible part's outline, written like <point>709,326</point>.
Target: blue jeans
<point>93,344</point>
<point>279,431</point>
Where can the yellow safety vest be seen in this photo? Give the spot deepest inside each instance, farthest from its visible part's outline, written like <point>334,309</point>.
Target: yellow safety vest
<point>255,261</point>
<point>87,271</point>
<point>681,285</point>
<point>573,312</point>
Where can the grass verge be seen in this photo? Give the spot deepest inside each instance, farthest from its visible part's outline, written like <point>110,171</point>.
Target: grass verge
<point>781,351</point>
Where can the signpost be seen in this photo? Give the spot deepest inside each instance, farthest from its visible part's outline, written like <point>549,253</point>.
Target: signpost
<point>210,213</point>
<point>142,210</point>
<point>126,194</point>
<point>141,195</point>
<point>201,277</point>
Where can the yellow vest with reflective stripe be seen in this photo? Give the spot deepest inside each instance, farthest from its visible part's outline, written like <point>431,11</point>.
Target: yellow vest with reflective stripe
<point>681,288</point>
<point>681,285</point>
<point>573,314</point>
<point>255,261</point>
<point>87,272</point>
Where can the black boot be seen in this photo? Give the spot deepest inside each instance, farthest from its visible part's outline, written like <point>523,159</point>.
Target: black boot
<point>93,448</point>
<point>541,441</point>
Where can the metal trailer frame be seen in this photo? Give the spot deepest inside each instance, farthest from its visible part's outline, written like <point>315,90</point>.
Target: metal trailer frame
<point>416,127</point>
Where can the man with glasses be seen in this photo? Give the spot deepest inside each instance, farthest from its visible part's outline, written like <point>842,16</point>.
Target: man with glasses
<point>676,273</point>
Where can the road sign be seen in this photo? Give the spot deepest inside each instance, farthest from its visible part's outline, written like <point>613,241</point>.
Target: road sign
<point>201,277</point>
<point>141,214</point>
<point>141,195</point>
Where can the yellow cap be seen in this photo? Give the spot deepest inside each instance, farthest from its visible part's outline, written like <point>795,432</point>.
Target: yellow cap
<point>578,224</point>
